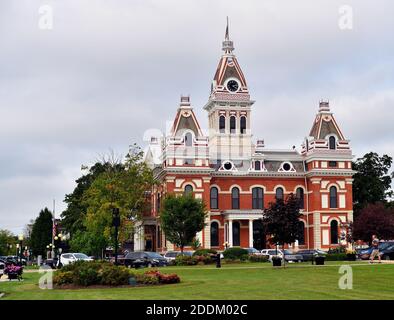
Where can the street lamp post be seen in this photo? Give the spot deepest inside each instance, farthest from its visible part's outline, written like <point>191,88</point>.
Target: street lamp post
<point>116,224</point>
<point>58,242</point>
<point>20,238</point>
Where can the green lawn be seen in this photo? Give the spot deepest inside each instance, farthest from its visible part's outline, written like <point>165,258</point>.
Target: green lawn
<point>236,281</point>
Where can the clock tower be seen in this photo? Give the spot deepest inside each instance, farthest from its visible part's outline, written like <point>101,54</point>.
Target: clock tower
<point>229,108</point>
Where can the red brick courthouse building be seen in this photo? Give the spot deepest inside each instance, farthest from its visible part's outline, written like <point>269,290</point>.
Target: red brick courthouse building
<point>237,178</point>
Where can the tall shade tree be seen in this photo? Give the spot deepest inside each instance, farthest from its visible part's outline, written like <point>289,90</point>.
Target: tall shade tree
<point>181,218</point>
<point>7,242</point>
<point>74,215</point>
<point>281,220</point>
<point>372,182</point>
<point>41,234</point>
<point>122,186</point>
<point>374,219</point>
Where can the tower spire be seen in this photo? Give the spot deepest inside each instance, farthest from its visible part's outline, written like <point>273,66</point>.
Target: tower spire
<point>226,36</point>
<point>227,44</point>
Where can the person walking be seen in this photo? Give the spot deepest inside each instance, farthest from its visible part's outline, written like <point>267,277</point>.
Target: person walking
<point>375,249</point>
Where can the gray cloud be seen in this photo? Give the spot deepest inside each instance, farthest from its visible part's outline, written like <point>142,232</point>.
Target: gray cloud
<point>108,71</point>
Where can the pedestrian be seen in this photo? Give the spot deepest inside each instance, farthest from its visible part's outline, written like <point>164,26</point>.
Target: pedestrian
<point>375,249</point>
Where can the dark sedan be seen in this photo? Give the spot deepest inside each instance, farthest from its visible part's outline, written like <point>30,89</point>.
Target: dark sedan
<point>307,255</point>
<point>144,259</point>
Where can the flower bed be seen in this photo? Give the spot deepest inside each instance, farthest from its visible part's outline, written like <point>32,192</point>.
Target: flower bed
<point>85,274</point>
<point>13,272</point>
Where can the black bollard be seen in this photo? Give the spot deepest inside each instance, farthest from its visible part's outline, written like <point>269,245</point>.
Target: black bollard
<point>218,262</point>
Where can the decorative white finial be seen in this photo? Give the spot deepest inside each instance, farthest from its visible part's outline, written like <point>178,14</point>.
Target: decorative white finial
<point>227,44</point>
<point>324,106</point>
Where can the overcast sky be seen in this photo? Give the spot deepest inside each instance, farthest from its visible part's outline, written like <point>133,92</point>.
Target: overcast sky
<point>109,70</point>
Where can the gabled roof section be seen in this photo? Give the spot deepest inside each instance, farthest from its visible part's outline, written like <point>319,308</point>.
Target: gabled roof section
<point>325,123</point>
<point>185,119</point>
<point>228,67</point>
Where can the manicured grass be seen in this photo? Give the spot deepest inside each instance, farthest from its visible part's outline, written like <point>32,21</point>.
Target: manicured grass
<point>236,281</point>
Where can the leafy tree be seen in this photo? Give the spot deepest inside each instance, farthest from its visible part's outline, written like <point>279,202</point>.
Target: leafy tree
<point>73,217</point>
<point>6,239</point>
<point>181,218</point>
<point>41,234</point>
<point>123,186</point>
<point>88,243</point>
<point>374,219</point>
<point>282,220</point>
<point>372,182</point>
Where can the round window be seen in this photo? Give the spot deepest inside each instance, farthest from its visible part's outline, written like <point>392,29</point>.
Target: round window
<point>228,166</point>
<point>286,166</point>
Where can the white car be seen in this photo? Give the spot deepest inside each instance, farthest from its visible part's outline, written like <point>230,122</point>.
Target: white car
<point>272,253</point>
<point>171,255</point>
<point>67,258</point>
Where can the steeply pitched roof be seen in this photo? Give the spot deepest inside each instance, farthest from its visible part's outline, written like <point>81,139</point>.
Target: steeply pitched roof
<point>185,119</point>
<point>325,124</point>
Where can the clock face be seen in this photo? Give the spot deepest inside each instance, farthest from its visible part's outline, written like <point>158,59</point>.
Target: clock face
<point>232,85</point>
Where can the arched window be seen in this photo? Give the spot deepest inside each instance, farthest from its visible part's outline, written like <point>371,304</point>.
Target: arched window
<point>301,233</point>
<point>334,231</point>
<point>333,197</point>
<point>188,190</point>
<point>257,165</point>
<point>300,197</point>
<point>222,124</point>
<point>188,139</point>
<point>257,198</point>
<point>332,143</point>
<point>279,193</point>
<point>214,198</point>
<point>214,234</point>
<point>232,124</point>
<point>236,234</point>
<point>235,198</point>
<point>243,124</point>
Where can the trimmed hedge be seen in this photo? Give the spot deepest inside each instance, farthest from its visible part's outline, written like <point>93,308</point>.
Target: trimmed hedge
<point>87,273</point>
<point>236,253</point>
<point>255,258</point>
<point>205,252</point>
<point>185,261</point>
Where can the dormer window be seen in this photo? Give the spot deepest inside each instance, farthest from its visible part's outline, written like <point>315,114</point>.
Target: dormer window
<point>227,166</point>
<point>286,167</point>
<point>257,165</point>
<point>332,143</point>
<point>188,139</point>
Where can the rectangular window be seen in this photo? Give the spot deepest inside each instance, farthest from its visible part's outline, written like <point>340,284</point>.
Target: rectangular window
<point>332,164</point>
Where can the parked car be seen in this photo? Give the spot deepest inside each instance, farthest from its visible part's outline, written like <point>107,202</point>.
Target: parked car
<point>253,251</point>
<point>11,260</point>
<point>388,253</point>
<point>144,259</point>
<point>171,255</point>
<point>121,258</point>
<point>307,254</point>
<point>2,267</point>
<point>271,253</point>
<point>67,258</point>
<point>290,256</point>
<point>364,254</point>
